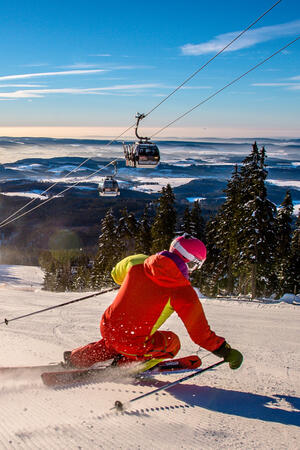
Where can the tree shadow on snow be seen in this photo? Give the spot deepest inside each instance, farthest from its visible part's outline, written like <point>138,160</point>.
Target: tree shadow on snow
<point>243,404</point>
<point>7,277</point>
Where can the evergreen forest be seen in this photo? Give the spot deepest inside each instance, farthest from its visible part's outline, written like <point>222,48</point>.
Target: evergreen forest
<point>253,247</point>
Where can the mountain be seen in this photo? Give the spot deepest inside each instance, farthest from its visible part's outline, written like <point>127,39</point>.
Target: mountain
<point>194,169</point>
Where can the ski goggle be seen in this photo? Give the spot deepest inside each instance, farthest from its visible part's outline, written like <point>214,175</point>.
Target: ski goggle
<point>195,264</point>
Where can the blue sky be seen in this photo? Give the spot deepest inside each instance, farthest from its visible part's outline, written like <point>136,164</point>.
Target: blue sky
<point>84,68</point>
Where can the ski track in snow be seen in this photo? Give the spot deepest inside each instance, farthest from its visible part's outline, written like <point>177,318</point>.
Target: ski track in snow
<point>255,407</point>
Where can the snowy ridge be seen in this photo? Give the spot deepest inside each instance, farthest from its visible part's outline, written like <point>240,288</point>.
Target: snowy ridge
<point>257,406</point>
<point>189,166</point>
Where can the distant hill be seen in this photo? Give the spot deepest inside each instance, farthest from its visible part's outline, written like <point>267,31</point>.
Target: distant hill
<point>194,170</point>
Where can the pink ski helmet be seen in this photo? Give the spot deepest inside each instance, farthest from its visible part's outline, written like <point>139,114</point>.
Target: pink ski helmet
<point>189,248</point>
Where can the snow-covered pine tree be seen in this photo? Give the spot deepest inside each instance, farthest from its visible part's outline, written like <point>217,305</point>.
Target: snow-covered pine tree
<point>227,228</point>
<point>283,245</point>
<point>208,276</point>
<point>108,252</point>
<point>126,233</point>
<point>292,282</point>
<point>143,237</point>
<point>197,223</point>
<point>80,271</point>
<point>257,235</point>
<point>220,270</point>
<point>49,276</point>
<point>63,280</point>
<point>80,279</point>
<point>186,226</point>
<point>164,225</point>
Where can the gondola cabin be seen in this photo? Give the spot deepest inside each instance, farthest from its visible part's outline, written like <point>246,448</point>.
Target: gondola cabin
<point>142,154</point>
<point>109,187</point>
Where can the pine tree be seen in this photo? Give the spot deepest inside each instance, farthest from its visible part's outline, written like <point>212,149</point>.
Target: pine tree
<point>126,233</point>
<point>292,281</point>
<point>283,244</point>
<point>164,225</point>
<point>207,278</point>
<point>227,233</point>
<point>57,266</point>
<point>197,223</point>
<point>108,252</point>
<point>143,238</point>
<point>132,225</point>
<point>81,279</point>
<point>241,238</point>
<point>197,230</point>
<point>257,236</point>
<point>186,226</point>
<point>80,271</point>
<point>220,270</point>
<point>49,276</point>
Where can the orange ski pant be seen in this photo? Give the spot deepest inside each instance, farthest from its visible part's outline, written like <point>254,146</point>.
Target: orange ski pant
<point>162,345</point>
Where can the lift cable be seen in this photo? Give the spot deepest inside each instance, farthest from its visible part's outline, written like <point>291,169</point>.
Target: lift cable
<point>168,125</point>
<point>159,131</point>
<point>57,195</point>
<point>6,221</point>
<point>225,87</point>
<point>149,112</point>
<point>211,59</point>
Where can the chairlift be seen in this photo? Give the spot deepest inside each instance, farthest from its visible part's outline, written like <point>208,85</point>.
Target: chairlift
<point>142,154</point>
<point>109,187</point>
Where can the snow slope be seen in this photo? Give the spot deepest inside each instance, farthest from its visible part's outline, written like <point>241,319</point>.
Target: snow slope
<point>255,407</point>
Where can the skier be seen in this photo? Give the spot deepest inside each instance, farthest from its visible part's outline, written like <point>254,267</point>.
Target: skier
<point>152,288</point>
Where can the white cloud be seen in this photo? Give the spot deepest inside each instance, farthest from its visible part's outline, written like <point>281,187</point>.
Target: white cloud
<point>295,78</point>
<point>128,86</point>
<point>49,74</point>
<point>20,85</point>
<point>195,87</point>
<point>250,38</point>
<point>289,86</point>
<point>35,65</point>
<point>36,93</point>
<point>81,66</point>
<point>102,54</point>
<point>272,84</point>
<point>131,67</point>
<point>20,94</point>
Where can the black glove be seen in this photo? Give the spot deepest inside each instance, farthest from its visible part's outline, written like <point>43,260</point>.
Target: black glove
<point>230,355</point>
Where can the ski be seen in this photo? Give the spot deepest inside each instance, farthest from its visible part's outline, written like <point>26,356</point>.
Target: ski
<point>74,376</point>
<point>108,373</point>
<point>172,365</point>
<point>34,368</point>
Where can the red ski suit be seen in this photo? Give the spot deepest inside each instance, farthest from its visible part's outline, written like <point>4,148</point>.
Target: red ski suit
<point>152,289</point>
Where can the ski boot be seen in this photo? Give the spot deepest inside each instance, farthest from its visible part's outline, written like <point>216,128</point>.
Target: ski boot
<point>66,363</point>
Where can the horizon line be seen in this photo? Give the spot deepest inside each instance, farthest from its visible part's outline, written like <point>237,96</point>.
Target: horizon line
<point>178,133</point>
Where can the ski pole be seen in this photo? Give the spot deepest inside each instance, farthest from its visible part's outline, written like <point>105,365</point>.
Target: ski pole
<point>119,406</point>
<point>6,321</point>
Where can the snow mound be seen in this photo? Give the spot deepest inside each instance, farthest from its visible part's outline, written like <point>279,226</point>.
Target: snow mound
<point>290,298</point>
<point>21,277</point>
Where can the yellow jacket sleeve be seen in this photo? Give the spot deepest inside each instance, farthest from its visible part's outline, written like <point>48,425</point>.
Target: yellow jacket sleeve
<point>120,270</point>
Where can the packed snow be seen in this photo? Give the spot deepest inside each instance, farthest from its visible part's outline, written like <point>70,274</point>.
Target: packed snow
<point>25,194</point>
<point>286,183</point>
<point>255,407</point>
